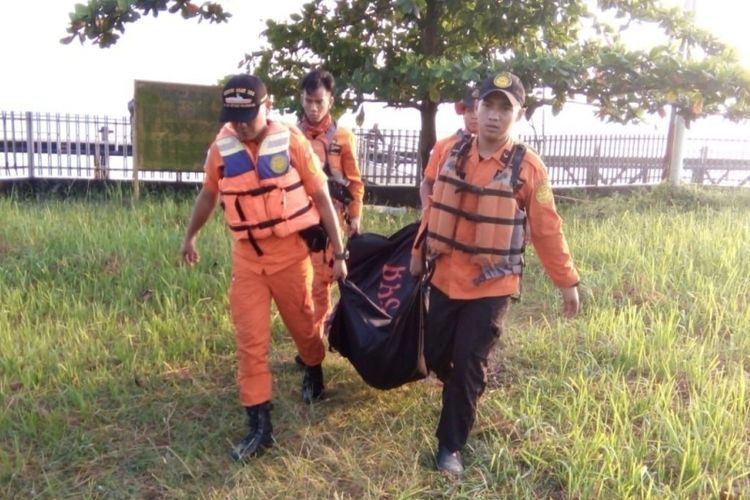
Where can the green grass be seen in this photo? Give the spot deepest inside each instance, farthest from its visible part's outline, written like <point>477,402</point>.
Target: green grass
<point>117,366</point>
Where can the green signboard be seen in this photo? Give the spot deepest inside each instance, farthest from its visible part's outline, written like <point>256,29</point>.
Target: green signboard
<point>174,124</point>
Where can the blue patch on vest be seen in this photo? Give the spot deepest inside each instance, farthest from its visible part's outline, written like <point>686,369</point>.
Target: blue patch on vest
<point>237,164</point>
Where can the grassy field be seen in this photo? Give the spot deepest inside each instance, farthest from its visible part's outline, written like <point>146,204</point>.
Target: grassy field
<point>117,366</point>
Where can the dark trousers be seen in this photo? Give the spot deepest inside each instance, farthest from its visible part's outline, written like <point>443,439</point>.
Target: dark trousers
<point>459,337</point>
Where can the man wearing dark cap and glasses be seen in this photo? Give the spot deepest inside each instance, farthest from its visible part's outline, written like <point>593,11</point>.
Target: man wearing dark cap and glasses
<point>491,195</point>
<point>273,192</point>
<point>464,108</point>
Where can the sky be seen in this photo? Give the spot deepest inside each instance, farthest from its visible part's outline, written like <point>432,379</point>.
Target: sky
<point>42,75</point>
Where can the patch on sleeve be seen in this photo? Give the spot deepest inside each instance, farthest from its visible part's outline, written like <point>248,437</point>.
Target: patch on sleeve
<point>544,193</point>
<point>311,160</point>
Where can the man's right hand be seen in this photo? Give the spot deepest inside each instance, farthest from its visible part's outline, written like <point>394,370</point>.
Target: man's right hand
<point>190,255</point>
<point>416,265</point>
<point>340,270</point>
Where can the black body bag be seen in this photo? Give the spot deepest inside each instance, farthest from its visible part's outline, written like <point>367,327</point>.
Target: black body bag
<point>378,323</point>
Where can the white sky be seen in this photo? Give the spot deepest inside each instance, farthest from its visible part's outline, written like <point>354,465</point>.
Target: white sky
<point>40,74</point>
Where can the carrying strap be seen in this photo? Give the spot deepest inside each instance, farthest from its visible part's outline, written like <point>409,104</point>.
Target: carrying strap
<point>460,151</point>
<point>517,152</point>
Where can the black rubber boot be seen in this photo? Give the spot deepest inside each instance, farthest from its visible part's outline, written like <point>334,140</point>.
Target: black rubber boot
<point>252,418</point>
<point>298,361</point>
<point>260,436</point>
<point>312,383</point>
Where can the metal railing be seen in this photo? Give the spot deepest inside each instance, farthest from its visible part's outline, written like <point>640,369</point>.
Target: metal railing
<point>44,145</point>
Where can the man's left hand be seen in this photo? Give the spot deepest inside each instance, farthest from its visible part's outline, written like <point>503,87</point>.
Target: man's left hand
<point>571,303</point>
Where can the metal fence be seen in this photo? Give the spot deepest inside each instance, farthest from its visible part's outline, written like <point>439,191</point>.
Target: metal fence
<point>43,145</point>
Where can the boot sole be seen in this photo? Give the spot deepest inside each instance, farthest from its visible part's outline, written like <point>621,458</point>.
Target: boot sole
<point>239,457</point>
<point>309,398</point>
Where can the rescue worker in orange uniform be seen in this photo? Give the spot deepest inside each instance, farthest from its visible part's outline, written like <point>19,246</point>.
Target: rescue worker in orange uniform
<point>337,149</point>
<point>273,193</point>
<point>490,197</point>
<point>464,108</point>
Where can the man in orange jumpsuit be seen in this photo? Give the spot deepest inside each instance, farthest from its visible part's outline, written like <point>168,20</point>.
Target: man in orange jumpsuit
<point>336,147</point>
<point>464,108</point>
<point>490,196</point>
<point>272,189</point>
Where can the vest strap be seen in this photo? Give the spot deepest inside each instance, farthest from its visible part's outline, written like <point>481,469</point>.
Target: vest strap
<point>262,190</point>
<point>516,157</point>
<point>474,217</point>
<point>271,222</point>
<point>470,249</point>
<point>462,186</point>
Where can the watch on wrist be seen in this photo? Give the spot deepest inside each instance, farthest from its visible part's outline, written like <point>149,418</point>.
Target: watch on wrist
<point>341,256</point>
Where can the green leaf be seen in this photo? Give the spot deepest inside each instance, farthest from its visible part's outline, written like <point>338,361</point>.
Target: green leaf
<point>81,10</point>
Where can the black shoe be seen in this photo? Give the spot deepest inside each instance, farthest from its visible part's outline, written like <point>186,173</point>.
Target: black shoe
<point>312,383</point>
<point>260,436</point>
<point>449,463</point>
<point>298,361</point>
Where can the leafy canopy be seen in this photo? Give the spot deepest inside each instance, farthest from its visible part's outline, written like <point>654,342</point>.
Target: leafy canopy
<point>410,53</point>
<point>99,20</point>
<point>419,53</point>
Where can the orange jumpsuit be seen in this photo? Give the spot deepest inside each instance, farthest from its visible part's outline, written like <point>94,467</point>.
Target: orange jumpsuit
<point>282,273</point>
<point>323,261</point>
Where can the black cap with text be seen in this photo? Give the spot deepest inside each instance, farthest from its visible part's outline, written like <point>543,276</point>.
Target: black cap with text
<point>242,97</point>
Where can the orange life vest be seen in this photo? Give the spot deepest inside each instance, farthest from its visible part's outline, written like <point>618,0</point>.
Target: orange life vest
<point>267,198</point>
<point>499,240</point>
<point>328,150</point>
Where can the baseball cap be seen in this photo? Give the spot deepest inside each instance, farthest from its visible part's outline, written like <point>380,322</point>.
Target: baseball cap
<point>467,100</point>
<point>242,97</point>
<point>507,83</point>
<point>470,96</point>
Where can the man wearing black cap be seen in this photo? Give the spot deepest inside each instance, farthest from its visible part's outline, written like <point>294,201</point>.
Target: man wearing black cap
<point>274,194</point>
<point>464,108</point>
<point>488,192</point>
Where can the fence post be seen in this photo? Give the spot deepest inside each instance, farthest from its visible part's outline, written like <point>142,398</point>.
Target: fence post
<point>102,155</point>
<point>390,164</point>
<point>699,172</point>
<point>592,171</point>
<point>30,143</point>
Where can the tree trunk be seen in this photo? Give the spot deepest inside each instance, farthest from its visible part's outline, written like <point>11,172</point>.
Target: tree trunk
<point>427,111</point>
<point>430,42</point>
